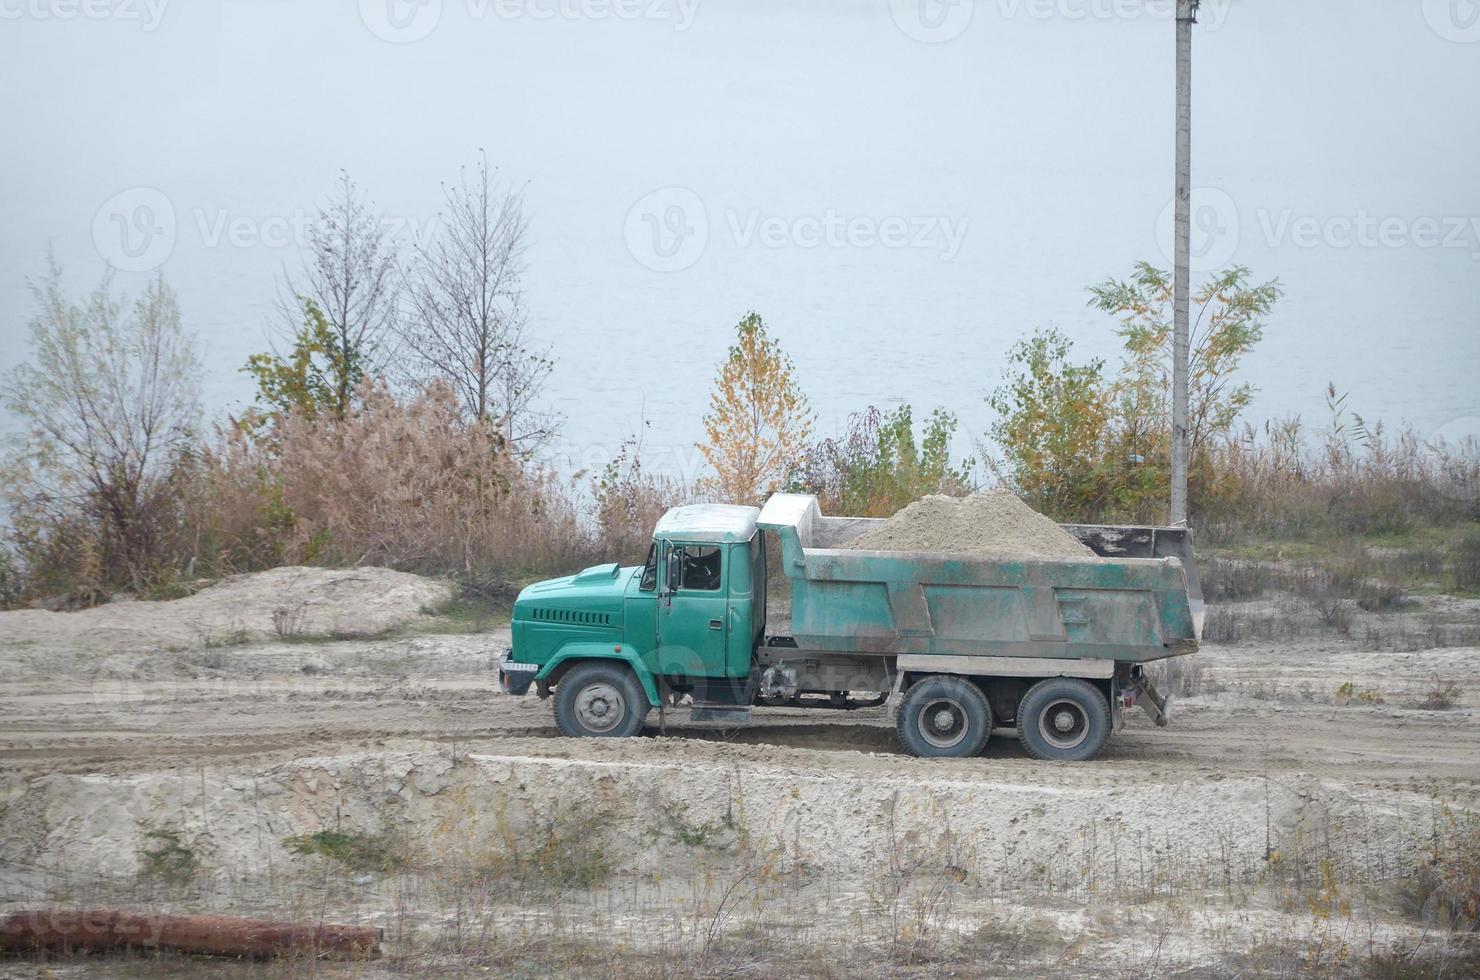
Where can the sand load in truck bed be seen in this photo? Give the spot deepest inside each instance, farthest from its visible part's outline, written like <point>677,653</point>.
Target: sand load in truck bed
<point>995,522</point>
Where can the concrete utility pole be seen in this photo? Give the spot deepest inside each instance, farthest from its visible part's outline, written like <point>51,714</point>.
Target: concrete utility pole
<point>1186,17</point>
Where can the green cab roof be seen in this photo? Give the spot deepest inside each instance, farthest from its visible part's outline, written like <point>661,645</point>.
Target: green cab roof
<point>708,522</point>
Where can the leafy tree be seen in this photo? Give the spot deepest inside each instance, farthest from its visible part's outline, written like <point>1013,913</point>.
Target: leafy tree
<point>1052,420</point>
<point>759,420</point>
<point>877,467</point>
<point>1228,322</point>
<point>316,379</point>
<point>1082,446</point>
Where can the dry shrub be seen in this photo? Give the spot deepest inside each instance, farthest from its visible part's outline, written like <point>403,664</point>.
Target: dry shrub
<point>107,404</point>
<point>1280,483</point>
<point>628,501</point>
<point>1466,562</point>
<point>405,483</point>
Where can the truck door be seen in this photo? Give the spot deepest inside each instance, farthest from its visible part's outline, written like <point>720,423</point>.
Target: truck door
<point>693,619</point>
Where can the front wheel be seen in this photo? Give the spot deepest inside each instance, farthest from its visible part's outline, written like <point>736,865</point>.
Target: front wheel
<point>596,699</point>
<point>944,717</point>
<point>1063,719</point>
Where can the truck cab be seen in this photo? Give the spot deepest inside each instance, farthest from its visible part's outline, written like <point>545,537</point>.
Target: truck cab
<point>614,642</point>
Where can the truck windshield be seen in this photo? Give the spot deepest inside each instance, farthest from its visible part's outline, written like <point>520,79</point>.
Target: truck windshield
<point>649,580</point>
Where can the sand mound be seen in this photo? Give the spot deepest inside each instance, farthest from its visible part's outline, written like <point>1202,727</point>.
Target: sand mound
<point>992,523</point>
<point>306,601</point>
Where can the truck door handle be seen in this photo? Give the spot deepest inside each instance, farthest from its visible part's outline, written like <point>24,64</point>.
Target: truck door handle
<point>716,624</point>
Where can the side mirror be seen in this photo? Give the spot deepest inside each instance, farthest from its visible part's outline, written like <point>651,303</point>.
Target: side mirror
<point>674,571</point>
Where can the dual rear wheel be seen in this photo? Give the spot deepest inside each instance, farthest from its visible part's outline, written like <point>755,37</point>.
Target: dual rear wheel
<point>1061,719</point>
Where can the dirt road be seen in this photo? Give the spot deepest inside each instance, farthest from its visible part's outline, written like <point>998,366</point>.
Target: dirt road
<point>269,701</point>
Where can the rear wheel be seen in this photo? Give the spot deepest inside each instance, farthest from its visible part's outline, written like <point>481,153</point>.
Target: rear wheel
<point>1063,719</point>
<point>596,699</point>
<point>944,717</point>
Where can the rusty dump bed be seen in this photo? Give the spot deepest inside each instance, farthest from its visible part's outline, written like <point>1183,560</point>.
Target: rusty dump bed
<point>1139,602</point>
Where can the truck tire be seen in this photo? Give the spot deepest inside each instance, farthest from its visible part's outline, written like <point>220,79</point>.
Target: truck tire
<point>600,699</point>
<point>1063,719</point>
<point>943,717</point>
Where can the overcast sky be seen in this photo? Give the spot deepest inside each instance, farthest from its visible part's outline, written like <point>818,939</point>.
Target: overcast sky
<point>901,189</point>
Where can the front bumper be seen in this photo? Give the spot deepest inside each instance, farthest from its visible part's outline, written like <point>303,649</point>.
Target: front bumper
<point>513,677</point>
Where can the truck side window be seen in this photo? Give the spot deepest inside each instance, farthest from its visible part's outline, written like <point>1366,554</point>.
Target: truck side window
<point>701,565</point>
<point>649,580</point>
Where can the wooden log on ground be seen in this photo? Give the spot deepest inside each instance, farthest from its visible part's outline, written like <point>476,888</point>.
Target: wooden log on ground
<point>102,930</point>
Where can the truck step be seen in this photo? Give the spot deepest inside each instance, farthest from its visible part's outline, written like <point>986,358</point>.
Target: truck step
<point>719,714</point>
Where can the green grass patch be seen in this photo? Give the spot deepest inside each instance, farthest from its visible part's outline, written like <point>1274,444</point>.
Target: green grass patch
<point>178,588</point>
<point>358,852</point>
<point>165,857</point>
<point>480,604</point>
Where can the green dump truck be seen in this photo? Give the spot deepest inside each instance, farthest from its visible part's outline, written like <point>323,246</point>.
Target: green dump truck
<point>956,646</point>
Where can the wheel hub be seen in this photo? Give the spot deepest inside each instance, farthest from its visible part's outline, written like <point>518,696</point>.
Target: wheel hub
<point>1063,724</point>
<point>942,722</point>
<point>600,707</point>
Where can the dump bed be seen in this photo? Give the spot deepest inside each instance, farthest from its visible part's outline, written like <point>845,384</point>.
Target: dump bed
<point>1138,602</point>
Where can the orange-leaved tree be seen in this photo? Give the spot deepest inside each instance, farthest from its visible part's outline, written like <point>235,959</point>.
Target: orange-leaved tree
<point>759,420</point>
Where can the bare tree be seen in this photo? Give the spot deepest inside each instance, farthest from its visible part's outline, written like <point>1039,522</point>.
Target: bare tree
<point>352,277</point>
<point>467,323</point>
<point>110,403</point>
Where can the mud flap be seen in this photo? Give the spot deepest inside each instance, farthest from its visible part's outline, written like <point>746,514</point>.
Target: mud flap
<point>1151,701</point>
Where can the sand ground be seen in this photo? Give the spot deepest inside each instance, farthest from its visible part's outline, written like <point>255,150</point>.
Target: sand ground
<point>1282,810</point>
